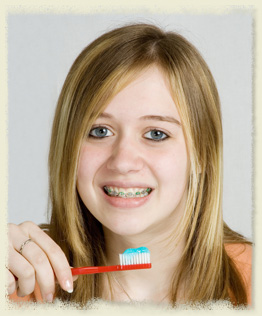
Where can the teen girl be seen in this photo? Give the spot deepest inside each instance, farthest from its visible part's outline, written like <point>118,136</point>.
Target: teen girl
<point>135,160</point>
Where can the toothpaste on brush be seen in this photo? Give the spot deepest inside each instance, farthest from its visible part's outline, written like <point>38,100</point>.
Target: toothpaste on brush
<point>139,255</point>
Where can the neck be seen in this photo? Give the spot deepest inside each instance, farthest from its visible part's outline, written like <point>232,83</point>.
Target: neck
<point>151,284</point>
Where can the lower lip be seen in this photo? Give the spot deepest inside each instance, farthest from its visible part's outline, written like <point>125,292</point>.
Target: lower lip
<point>126,202</point>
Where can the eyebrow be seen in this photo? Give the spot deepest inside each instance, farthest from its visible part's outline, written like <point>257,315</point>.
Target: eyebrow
<point>164,118</point>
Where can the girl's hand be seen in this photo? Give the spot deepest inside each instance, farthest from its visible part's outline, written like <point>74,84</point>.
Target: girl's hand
<point>39,259</point>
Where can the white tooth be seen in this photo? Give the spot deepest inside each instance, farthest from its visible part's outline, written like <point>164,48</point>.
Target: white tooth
<point>121,192</point>
<point>116,189</point>
<point>126,190</point>
<point>138,190</point>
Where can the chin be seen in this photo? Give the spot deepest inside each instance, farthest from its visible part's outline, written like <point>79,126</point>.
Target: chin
<point>126,228</point>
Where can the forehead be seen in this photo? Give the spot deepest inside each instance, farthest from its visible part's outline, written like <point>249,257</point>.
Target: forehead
<point>147,94</point>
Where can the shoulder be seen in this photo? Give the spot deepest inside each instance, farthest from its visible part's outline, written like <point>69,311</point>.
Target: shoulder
<point>241,254</point>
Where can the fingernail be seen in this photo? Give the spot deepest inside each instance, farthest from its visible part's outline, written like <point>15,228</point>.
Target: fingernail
<point>69,286</point>
<point>49,298</point>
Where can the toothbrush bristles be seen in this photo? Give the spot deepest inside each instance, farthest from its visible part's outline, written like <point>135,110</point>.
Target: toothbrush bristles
<point>139,258</point>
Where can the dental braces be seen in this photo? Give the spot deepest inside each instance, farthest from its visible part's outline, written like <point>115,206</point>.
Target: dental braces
<point>128,194</point>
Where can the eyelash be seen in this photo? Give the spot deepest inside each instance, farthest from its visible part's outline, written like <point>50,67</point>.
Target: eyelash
<point>152,130</point>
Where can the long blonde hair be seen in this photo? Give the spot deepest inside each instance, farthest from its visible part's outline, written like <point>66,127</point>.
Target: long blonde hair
<point>102,69</point>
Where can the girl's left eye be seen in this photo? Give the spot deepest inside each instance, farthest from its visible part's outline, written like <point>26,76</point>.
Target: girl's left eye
<point>100,132</point>
<point>156,135</point>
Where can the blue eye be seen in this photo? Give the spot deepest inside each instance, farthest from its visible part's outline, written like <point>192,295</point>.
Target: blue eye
<point>157,135</point>
<point>100,132</point>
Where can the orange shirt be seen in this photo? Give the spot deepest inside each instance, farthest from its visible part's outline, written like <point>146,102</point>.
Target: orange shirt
<point>240,253</point>
<point>33,297</point>
<point>242,257</point>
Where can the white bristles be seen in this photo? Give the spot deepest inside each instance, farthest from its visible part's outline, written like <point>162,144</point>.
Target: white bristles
<point>134,258</point>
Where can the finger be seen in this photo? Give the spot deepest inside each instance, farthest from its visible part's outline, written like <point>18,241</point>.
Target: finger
<point>75,277</point>
<point>23,270</point>
<point>11,283</point>
<point>38,265</point>
<point>55,255</point>
<point>42,267</point>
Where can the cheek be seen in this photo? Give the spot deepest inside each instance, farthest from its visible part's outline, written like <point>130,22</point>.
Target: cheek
<point>172,171</point>
<point>90,161</point>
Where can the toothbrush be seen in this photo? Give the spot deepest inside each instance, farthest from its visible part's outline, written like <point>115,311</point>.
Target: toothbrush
<point>131,259</point>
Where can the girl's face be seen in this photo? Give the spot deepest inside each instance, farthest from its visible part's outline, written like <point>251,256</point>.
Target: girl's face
<point>136,145</point>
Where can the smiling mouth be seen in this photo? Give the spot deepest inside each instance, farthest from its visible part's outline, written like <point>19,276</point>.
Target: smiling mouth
<point>127,193</point>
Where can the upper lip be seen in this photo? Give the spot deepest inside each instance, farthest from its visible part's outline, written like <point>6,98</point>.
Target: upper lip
<point>126,184</point>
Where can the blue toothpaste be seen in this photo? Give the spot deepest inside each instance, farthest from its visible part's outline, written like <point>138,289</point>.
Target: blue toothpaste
<point>139,255</point>
<point>131,251</point>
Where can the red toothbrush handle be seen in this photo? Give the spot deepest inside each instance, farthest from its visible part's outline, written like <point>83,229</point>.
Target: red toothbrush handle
<point>92,270</point>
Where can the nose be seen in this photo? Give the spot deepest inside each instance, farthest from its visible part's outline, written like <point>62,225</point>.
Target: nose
<point>125,158</point>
